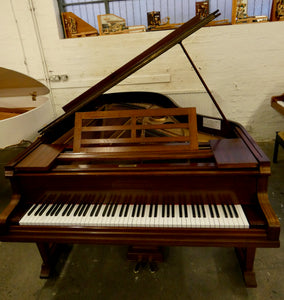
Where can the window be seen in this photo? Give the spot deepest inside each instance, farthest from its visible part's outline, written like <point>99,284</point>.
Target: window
<point>135,11</point>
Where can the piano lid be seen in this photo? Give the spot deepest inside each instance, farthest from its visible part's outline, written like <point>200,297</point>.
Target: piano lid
<point>14,84</point>
<point>172,39</point>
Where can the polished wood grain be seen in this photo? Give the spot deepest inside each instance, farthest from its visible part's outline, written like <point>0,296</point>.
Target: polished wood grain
<point>135,126</point>
<point>41,158</point>
<point>232,153</point>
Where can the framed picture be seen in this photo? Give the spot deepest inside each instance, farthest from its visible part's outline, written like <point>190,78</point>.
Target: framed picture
<point>277,10</point>
<point>202,8</point>
<point>111,24</point>
<point>239,10</point>
<point>240,15</point>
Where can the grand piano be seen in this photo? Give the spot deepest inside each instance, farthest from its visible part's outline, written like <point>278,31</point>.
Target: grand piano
<point>133,168</point>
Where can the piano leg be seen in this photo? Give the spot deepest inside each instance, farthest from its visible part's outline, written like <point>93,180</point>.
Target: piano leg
<point>246,259</point>
<point>50,253</point>
<point>46,250</point>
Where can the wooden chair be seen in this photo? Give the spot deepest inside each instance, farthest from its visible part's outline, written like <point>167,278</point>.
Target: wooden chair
<point>279,140</point>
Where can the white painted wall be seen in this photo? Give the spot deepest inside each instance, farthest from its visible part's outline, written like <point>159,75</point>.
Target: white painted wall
<point>243,65</point>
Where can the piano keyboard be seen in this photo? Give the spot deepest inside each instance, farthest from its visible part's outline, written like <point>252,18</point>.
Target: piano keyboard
<point>137,215</point>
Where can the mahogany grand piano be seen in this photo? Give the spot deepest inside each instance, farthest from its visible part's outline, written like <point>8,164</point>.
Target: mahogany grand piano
<point>135,169</point>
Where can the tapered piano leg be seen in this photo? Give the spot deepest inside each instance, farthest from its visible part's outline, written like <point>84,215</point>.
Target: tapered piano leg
<point>50,253</point>
<point>246,259</point>
<point>46,250</point>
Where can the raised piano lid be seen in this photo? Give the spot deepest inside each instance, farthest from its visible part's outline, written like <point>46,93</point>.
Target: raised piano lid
<point>13,84</point>
<point>172,39</point>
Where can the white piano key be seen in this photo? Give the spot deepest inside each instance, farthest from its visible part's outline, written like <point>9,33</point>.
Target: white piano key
<point>35,217</point>
<point>45,218</point>
<point>231,223</point>
<point>211,222</point>
<point>146,221</point>
<point>204,222</point>
<point>197,218</point>
<point>159,220</point>
<point>223,219</point>
<point>25,219</point>
<point>176,222</point>
<point>184,218</point>
<point>98,217</point>
<point>235,220</point>
<point>109,215</point>
<point>114,214</point>
<point>142,215</point>
<point>245,223</point>
<point>86,218</point>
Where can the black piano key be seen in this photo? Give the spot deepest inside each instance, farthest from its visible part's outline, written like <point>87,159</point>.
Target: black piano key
<point>168,210</point>
<point>93,209</point>
<point>111,206</point>
<point>77,210</point>
<point>114,209</point>
<point>211,211</point>
<point>173,210</point>
<point>105,210</point>
<point>156,211</point>
<point>133,211</point>
<point>86,209</point>
<point>58,209</point>
<point>33,208</point>
<point>150,210</point>
<point>203,211</point>
<point>43,209</point>
<point>143,210</point>
<point>180,210</point>
<point>98,209</point>
<point>66,209</point>
<point>38,209</point>
<point>54,208</point>
<point>198,211</point>
<point>185,211</point>
<point>70,209</point>
<point>82,208</point>
<point>121,209</point>
<point>138,210</point>
<point>235,211</point>
<point>230,211</point>
<point>193,211</point>
<point>126,210</point>
<point>216,211</point>
<point>224,210</point>
<point>50,210</point>
<point>163,210</point>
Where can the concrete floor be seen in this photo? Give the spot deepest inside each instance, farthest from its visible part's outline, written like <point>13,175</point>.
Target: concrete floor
<point>102,272</point>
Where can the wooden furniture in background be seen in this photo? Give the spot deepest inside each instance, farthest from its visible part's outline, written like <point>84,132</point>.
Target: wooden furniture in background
<point>76,27</point>
<point>279,140</point>
<point>277,102</point>
<point>277,10</point>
